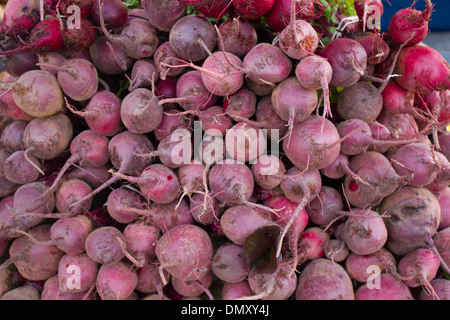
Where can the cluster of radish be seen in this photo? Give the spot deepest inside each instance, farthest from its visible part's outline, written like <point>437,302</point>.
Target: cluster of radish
<point>346,196</point>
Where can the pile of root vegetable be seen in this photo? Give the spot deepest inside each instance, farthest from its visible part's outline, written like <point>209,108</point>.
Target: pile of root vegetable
<point>217,149</point>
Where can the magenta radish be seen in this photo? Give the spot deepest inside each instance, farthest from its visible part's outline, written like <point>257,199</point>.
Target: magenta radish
<point>109,58</point>
<point>11,138</point>
<point>19,16</point>
<point>230,263</point>
<point>279,15</point>
<point>360,101</point>
<point>192,93</point>
<point>279,285</point>
<point>421,266</point>
<point>348,60</point>
<point>35,261</point>
<point>140,111</point>
<point>102,113</point>
<point>336,250</point>
<point>143,73</point>
<point>359,267</point>
<point>171,252</point>
<point>80,264</point>
<point>409,26</point>
<point>122,197</point>
<point>206,215</point>
<point>322,210</point>
<point>323,279</point>
<point>365,8</point>
<point>376,48</point>
<point>116,282</point>
<point>213,120</point>
<point>115,13</point>
<point>339,168</point>
<point>400,125</point>
<point>22,169</point>
<point>239,36</point>
<point>268,171</point>
<point>314,144</point>
<point>252,9</point>
<point>71,191</point>
<point>169,123</point>
<point>149,280</point>
<point>194,288</point>
<point>267,71</point>
<point>52,59</point>
<point>191,36</point>
<point>396,99</point>
<point>418,60</point>
<point>233,291</point>
<point>45,36</point>
<point>164,57</point>
<point>238,222</point>
<point>163,14</point>
<point>29,95</point>
<point>103,245</point>
<point>390,289</point>
<point>443,197</point>
<point>140,240</point>
<point>381,180</point>
<point>157,182</point>
<point>440,286</point>
<point>240,105</point>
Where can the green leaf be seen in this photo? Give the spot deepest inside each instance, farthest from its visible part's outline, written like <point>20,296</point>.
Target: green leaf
<point>446,275</point>
<point>131,4</point>
<point>124,84</point>
<point>260,248</point>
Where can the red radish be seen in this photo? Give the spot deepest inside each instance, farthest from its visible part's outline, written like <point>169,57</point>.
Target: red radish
<point>81,265</point>
<point>268,171</point>
<point>381,180</point>
<point>140,111</point>
<point>163,14</point>
<point>279,16</point>
<point>409,26</point>
<point>238,222</point>
<point>339,168</point>
<point>167,88</point>
<point>191,36</point>
<point>19,16</point>
<point>185,265</point>
<point>141,237</point>
<point>239,36</point>
<point>109,58</point>
<point>400,125</point>
<point>314,144</point>
<point>53,59</point>
<point>336,250</point>
<point>103,245</point>
<point>149,280</point>
<point>241,104</point>
<point>348,59</point>
<point>441,240</point>
<point>323,279</point>
<point>142,73</point>
<point>440,286</point>
<point>192,93</point>
<point>250,9</point>
<point>71,191</point>
<point>322,210</point>
<point>22,169</point>
<point>29,95</point>
<point>420,266</point>
<point>360,101</point>
<point>122,197</point>
<point>78,36</point>
<point>365,8</point>
<point>415,61</point>
<point>443,197</point>
<point>396,99</point>
<point>115,12</point>
<point>390,289</point>
<point>376,48</point>
<point>245,143</point>
<point>279,285</point>
<point>116,282</point>
<point>83,5</point>
<point>208,215</point>
<point>102,113</point>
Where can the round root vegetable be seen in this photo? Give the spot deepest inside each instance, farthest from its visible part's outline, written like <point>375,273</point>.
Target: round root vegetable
<point>191,37</point>
<point>206,215</point>
<point>233,291</point>
<point>141,237</point>
<point>376,48</point>
<point>78,36</point>
<point>143,74</point>
<point>149,280</point>
<point>21,169</point>
<point>315,73</point>
<point>420,266</point>
<point>102,113</point>
<point>443,197</point>
<point>157,182</point>
<point>165,56</point>
<point>390,288</point>
<point>314,144</point>
<point>364,8</point>
<point>26,292</point>
<point>194,288</point>
<point>273,69</point>
<point>279,16</point>
<point>409,26</point>
<point>279,285</point>
<point>230,263</point>
<point>109,58</point>
<point>185,252</point>
<point>311,244</point>
<point>37,93</point>
<point>323,279</point>
<point>122,197</point>
<point>442,242</point>
<point>103,245</point>
<point>240,105</point>
<point>336,250</point>
<point>244,143</point>
<point>360,101</point>
<point>339,168</point>
<point>213,120</point>
<point>322,210</point>
<point>440,286</point>
<point>72,265</point>
<point>348,59</point>
<point>191,179</point>
<point>415,61</point>
<point>365,232</point>
<point>400,125</point>
<point>163,14</point>
<point>12,136</point>
<point>115,13</point>
<point>397,100</point>
<point>240,221</point>
<point>268,171</point>
<point>34,261</point>
<point>169,123</point>
<point>116,282</point>
<point>140,111</point>
<point>19,16</point>
<point>70,191</point>
<point>239,36</point>
<point>192,93</point>
<point>252,9</point>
